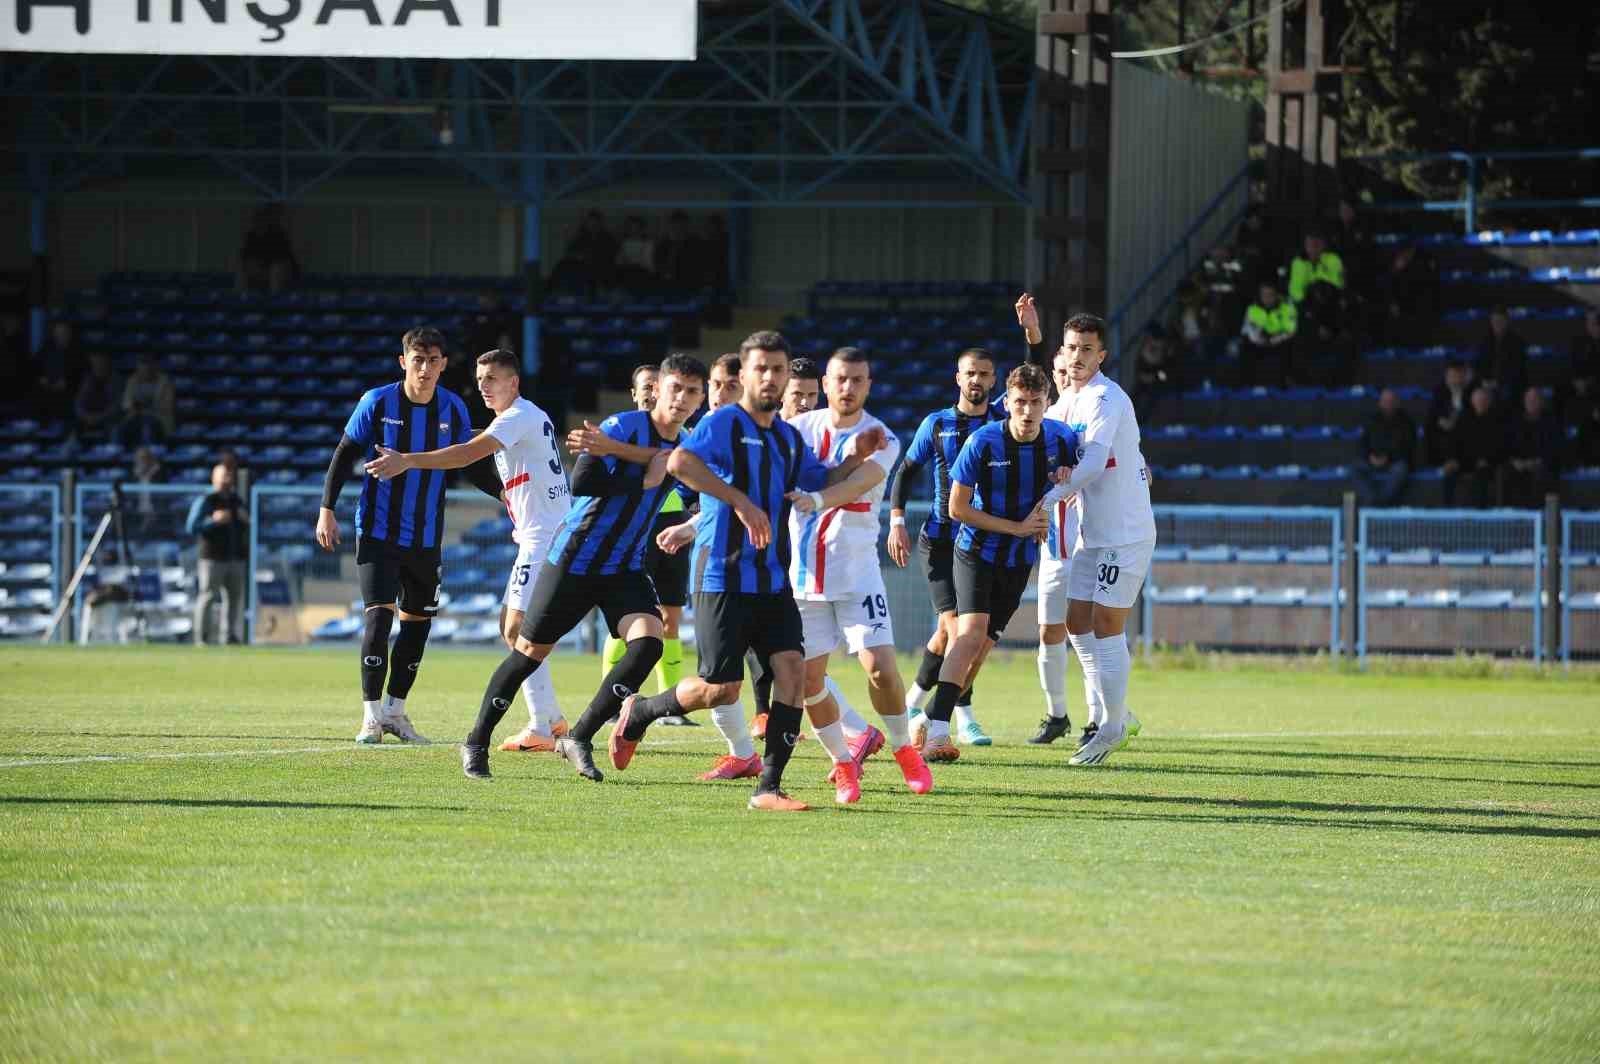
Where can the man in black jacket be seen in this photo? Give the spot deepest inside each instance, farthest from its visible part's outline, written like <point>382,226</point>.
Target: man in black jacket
<point>1480,452</point>
<point>1533,453</point>
<point>221,521</point>
<point>1386,445</point>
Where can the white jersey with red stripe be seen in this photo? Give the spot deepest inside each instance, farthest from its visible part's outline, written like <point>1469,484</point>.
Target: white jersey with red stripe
<point>835,551</point>
<point>1063,514</point>
<point>537,496</point>
<point>1114,508</point>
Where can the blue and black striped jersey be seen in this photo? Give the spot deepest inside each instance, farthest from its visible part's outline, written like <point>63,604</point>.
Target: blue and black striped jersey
<point>602,535</point>
<point>938,440</point>
<point>407,511</point>
<point>1008,479</point>
<point>766,464</point>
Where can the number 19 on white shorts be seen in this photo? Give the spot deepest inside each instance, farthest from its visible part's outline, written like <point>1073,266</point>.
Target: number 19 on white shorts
<point>858,623</point>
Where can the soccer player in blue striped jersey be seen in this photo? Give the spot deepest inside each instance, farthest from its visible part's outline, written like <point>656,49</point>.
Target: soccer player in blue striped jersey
<point>998,487</point>
<point>745,462</point>
<point>597,562</point>
<point>937,443</point>
<point>399,524</point>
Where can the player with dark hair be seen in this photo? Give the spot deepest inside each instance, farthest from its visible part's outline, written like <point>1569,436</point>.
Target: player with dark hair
<point>999,487</point>
<point>745,462</point>
<point>804,388</point>
<point>669,572</point>
<point>937,442</point>
<point>597,561</point>
<point>521,440</point>
<point>399,525</point>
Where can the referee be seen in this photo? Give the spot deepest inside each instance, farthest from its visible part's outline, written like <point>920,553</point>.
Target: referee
<point>399,524</point>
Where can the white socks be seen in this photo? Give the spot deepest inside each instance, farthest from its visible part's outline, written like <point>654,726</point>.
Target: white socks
<point>394,707</point>
<point>1085,646</point>
<point>853,722</point>
<point>729,720</point>
<point>1053,677</point>
<point>1112,663</point>
<point>540,694</point>
<point>897,730</point>
<point>831,736</point>
<point>938,729</point>
<point>373,710</point>
<point>915,696</point>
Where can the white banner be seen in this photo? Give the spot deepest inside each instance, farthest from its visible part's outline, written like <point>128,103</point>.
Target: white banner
<point>449,29</point>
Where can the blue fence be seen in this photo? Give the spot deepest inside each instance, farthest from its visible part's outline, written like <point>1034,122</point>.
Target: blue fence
<point>1440,581</point>
<point>1470,204</point>
<point>1256,577</point>
<point>1580,586</point>
<point>30,558</point>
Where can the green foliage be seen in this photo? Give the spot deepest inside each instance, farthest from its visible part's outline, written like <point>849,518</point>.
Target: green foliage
<point>1284,866</point>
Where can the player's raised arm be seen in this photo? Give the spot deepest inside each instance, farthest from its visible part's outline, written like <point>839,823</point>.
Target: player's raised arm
<point>594,440</point>
<point>390,464</point>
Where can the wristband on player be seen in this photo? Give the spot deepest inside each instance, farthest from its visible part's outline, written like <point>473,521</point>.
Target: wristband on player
<point>816,499</point>
<point>897,520</point>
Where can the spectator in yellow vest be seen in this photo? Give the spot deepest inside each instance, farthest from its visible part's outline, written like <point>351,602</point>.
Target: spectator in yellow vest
<point>1267,338</point>
<point>1317,266</point>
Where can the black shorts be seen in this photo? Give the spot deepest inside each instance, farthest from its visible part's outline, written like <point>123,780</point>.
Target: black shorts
<point>405,576</point>
<point>561,599</point>
<point>727,623</point>
<point>670,572</point>
<point>984,587</point>
<point>937,562</point>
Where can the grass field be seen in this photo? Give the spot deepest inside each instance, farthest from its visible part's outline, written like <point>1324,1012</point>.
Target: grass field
<point>197,863</point>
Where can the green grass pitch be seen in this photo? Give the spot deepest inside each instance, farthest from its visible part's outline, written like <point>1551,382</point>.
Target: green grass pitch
<point>196,863</point>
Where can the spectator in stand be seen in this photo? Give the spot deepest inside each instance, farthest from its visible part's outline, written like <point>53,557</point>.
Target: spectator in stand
<point>1408,296</point>
<point>1354,241</point>
<point>1533,454</point>
<point>1157,370</point>
<point>98,406</point>
<point>1318,266</point>
<point>1586,449</point>
<point>1450,401</point>
<point>1192,327</point>
<point>1387,443</point>
<point>1267,338</point>
<point>591,256</point>
<point>636,256</point>
<point>1503,359</point>
<point>1257,246</point>
<point>677,254</point>
<point>1220,298</point>
<point>1474,472</point>
<point>266,258</point>
<point>1582,391</point>
<point>221,522</point>
<point>59,369</point>
<point>16,364</point>
<point>149,407</point>
<point>147,469</point>
<point>713,254</point>
<point>491,328</point>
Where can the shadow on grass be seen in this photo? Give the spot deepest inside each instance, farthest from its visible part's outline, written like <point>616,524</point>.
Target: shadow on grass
<point>232,803</point>
<point>1177,746</point>
<point>191,735</point>
<point>1140,765</point>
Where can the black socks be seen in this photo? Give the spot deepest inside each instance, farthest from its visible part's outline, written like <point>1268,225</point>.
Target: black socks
<point>928,671</point>
<point>408,648</point>
<point>943,706</point>
<point>965,701</point>
<point>375,653</point>
<point>763,687</point>
<point>497,698</point>
<point>783,731</point>
<point>622,681</point>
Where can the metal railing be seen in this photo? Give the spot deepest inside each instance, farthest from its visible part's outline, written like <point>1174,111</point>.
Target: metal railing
<point>1580,585</point>
<point>1471,203</point>
<point>1451,580</point>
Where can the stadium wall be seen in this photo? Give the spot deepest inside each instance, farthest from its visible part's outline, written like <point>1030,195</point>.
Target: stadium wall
<point>1174,146</point>
<point>413,226</point>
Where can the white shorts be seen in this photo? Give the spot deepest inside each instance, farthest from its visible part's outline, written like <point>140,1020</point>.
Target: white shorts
<point>857,623</point>
<point>524,573</point>
<point>1110,576</point>
<point>1054,577</point>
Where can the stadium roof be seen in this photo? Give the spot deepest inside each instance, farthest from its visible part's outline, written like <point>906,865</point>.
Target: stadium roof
<point>786,99</point>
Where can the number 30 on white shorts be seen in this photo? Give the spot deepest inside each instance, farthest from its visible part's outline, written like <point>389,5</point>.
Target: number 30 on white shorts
<point>1111,576</point>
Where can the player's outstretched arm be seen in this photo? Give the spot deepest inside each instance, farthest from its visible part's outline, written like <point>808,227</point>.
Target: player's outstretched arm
<point>864,478</point>
<point>592,439</point>
<point>961,509</point>
<point>390,464</point>
<point>697,476</point>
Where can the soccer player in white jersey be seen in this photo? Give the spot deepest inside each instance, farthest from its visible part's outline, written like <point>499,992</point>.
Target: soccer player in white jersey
<point>1055,560</point>
<point>838,582</point>
<point>1116,532</point>
<point>522,440</point>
